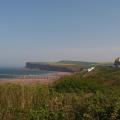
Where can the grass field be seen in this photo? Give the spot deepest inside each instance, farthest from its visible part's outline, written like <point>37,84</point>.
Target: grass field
<point>81,96</point>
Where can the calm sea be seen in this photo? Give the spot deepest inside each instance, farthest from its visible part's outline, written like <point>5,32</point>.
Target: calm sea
<point>17,72</point>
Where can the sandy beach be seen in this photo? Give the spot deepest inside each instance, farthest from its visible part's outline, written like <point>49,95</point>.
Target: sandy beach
<point>48,79</point>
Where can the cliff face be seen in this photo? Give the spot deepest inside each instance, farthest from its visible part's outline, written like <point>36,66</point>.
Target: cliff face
<point>47,67</point>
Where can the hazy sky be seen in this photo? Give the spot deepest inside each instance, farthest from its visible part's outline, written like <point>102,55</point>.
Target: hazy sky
<point>51,30</point>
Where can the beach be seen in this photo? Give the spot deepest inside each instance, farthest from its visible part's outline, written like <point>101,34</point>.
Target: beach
<point>28,80</point>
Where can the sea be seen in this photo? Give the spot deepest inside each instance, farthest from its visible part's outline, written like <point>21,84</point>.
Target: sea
<point>20,72</point>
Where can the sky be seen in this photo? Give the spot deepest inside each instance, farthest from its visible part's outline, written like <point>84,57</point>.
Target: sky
<point>53,30</point>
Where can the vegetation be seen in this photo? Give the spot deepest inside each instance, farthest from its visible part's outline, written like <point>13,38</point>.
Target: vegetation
<point>82,96</point>
<point>80,63</point>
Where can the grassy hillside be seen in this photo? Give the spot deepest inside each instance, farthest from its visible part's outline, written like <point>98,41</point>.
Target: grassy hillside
<point>80,63</point>
<point>82,96</point>
<point>101,77</point>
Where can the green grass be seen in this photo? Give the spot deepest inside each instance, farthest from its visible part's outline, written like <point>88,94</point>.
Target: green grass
<point>82,96</point>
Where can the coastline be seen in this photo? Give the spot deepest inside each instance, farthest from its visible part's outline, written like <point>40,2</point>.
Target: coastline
<point>28,80</point>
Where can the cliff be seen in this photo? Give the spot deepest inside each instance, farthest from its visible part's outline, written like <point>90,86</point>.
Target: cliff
<point>63,66</point>
<point>48,67</point>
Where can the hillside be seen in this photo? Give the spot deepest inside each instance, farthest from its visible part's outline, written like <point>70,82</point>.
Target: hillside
<point>91,95</point>
<point>80,63</point>
<point>64,66</point>
<point>101,77</point>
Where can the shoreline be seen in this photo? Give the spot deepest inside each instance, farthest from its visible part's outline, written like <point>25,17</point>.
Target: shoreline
<point>28,80</point>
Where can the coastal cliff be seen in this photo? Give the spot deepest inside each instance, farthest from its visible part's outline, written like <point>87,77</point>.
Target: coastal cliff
<point>62,66</point>
<point>48,67</point>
